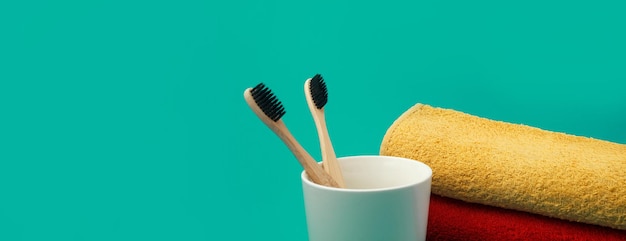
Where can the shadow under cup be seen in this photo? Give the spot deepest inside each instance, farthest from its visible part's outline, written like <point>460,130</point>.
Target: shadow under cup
<point>386,198</point>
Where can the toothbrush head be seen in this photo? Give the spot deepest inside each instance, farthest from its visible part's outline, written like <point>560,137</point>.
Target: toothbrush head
<point>267,102</point>
<point>319,93</point>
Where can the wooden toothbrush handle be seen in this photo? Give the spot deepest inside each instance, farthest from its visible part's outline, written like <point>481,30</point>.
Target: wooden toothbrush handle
<point>312,168</point>
<point>330,163</point>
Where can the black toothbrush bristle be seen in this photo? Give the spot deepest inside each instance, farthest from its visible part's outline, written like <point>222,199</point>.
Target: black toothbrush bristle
<point>267,101</point>
<point>319,93</point>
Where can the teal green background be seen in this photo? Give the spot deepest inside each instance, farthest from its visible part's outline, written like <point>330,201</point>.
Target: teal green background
<point>124,120</point>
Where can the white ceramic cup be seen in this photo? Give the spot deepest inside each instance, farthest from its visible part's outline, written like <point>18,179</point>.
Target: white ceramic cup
<point>385,199</point>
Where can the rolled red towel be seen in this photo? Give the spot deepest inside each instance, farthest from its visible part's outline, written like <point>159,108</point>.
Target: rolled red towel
<point>451,219</point>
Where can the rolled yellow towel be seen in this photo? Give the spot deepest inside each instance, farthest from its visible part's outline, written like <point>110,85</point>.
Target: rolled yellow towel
<point>514,166</point>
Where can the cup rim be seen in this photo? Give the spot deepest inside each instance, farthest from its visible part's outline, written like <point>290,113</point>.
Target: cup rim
<point>427,177</point>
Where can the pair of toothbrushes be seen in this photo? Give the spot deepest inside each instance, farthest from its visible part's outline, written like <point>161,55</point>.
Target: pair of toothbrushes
<point>270,110</point>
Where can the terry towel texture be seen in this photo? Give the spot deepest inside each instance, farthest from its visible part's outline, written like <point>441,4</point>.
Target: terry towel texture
<point>514,166</point>
<point>455,220</point>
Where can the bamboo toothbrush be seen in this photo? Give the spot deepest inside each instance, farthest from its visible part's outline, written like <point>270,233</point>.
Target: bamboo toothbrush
<point>317,97</point>
<point>270,110</point>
